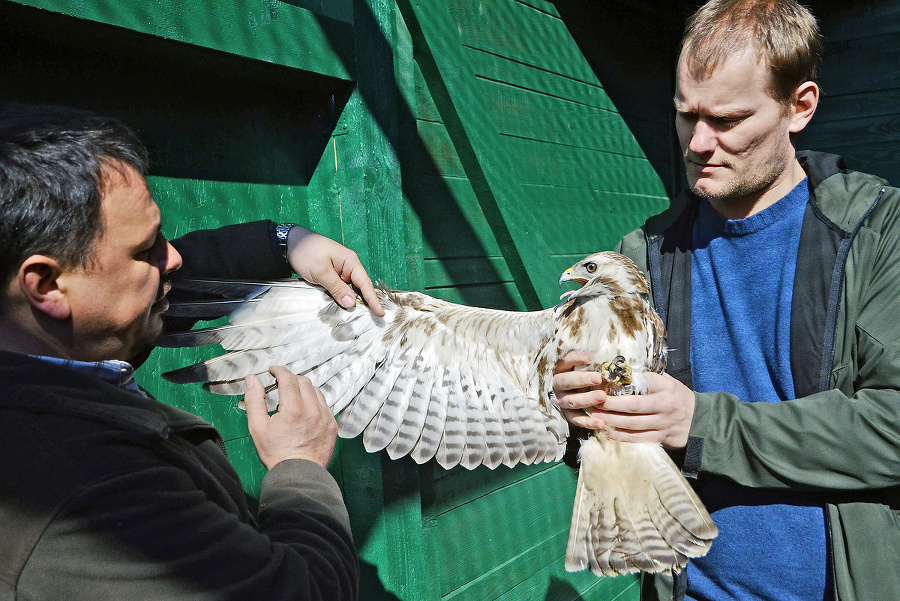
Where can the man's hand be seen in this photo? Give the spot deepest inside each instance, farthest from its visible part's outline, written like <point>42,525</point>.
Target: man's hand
<point>577,392</point>
<point>662,415</point>
<point>303,427</point>
<point>321,260</point>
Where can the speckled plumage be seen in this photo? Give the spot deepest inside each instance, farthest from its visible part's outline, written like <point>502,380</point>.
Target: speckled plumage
<point>470,386</point>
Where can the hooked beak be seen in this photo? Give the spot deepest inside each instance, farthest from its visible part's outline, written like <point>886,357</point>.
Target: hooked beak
<point>568,277</point>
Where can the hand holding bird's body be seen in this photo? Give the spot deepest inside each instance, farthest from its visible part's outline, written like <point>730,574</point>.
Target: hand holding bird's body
<point>663,414</point>
<point>471,386</point>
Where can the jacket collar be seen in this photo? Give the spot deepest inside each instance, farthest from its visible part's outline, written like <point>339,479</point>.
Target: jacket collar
<point>41,387</point>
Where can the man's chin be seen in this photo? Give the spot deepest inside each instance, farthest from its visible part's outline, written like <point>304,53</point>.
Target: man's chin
<point>703,188</point>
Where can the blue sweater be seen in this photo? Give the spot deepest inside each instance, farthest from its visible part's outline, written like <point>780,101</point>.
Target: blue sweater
<point>771,545</point>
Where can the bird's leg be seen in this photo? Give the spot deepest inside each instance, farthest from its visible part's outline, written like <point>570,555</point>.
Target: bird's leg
<point>617,371</point>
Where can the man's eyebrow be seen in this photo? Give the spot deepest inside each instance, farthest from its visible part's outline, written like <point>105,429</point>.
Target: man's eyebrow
<point>726,114</point>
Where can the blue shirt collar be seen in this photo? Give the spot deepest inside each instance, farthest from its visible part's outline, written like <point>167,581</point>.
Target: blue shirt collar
<point>115,372</point>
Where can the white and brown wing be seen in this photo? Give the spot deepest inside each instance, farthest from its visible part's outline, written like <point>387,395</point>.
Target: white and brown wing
<point>430,379</point>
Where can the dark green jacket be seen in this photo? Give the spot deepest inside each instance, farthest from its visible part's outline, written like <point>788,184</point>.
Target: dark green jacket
<point>841,437</point>
<point>107,494</point>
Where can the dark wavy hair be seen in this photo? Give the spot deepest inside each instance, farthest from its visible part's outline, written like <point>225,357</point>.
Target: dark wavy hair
<point>783,33</point>
<point>52,162</point>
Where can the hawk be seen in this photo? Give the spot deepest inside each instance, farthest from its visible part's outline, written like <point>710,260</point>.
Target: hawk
<point>471,386</point>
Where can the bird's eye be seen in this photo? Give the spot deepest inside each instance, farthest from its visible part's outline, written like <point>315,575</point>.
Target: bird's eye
<point>591,267</point>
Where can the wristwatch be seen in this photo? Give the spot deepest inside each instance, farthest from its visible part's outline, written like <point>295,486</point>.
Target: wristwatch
<point>281,236</point>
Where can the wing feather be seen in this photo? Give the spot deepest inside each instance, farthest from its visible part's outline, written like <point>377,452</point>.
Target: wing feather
<point>430,379</point>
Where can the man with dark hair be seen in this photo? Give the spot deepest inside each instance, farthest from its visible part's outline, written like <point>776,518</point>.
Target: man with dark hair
<point>106,492</point>
<point>776,276</point>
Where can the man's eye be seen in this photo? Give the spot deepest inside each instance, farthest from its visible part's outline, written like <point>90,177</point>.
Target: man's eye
<point>724,123</point>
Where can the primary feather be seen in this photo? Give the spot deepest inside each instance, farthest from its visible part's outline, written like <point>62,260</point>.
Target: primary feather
<point>470,386</point>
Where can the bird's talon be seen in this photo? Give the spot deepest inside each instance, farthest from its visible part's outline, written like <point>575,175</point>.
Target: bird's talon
<point>616,371</point>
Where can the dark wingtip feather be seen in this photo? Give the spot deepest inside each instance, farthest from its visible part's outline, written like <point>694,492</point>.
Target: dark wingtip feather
<point>187,375</point>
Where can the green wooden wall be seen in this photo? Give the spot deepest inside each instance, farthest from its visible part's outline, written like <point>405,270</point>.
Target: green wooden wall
<point>471,149</point>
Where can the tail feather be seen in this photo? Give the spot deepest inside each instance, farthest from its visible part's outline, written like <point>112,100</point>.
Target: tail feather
<point>634,512</point>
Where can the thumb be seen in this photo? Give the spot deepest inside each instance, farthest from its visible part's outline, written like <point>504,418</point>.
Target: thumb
<point>255,403</point>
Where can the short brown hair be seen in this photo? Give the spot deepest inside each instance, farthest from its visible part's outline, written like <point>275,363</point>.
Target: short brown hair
<point>52,161</point>
<point>782,32</point>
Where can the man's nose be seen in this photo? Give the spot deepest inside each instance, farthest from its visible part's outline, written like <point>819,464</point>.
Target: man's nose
<point>172,259</point>
<point>703,138</point>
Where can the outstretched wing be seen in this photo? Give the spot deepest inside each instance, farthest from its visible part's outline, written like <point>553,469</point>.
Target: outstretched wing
<point>430,379</point>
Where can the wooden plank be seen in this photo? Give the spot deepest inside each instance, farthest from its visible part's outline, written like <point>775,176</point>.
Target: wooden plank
<point>492,67</point>
<point>456,487</point>
<point>202,114</point>
<point>503,296</point>
<point>465,271</point>
<point>842,21</point>
<point>450,80</point>
<point>342,10</point>
<point>455,225</point>
<point>530,115</point>
<point>553,583</point>
<point>366,176</point>
<point>424,104</point>
<point>444,160</point>
<point>855,66</point>
<point>836,106</point>
<point>531,529</point>
<point>269,31</point>
<point>521,33</point>
<point>571,167</point>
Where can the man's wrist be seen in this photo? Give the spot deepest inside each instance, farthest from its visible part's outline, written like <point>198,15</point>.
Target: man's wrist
<point>281,232</point>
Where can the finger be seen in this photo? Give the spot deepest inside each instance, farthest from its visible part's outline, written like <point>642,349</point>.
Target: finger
<point>575,381</point>
<point>571,360</point>
<point>361,280</point>
<point>629,404</point>
<point>339,290</point>
<point>580,401</point>
<point>288,388</point>
<point>255,404</point>
<point>584,420</point>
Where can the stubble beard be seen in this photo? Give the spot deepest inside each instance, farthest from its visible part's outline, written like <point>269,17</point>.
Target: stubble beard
<point>746,186</point>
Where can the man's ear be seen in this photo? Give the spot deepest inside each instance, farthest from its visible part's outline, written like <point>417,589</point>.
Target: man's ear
<point>803,108</point>
<point>38,281</point>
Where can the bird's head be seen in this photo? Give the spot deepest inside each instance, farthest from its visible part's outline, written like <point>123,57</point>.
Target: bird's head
<point>616,273</point>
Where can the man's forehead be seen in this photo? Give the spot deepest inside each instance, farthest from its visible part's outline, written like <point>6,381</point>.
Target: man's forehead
<point>737,77</point>
<point>126,199</point>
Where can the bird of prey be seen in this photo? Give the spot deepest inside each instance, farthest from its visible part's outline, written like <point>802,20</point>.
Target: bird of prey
<point>470,386</point>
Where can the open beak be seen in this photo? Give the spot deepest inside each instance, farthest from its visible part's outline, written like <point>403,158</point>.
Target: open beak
<point>568,277</point>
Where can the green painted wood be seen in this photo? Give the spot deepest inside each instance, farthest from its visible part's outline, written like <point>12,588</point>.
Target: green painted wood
<point>521,33</point>
<point>203,115</point>
<point>456,487</point>
<point>434,32</point>
<point>492,67</point>
<point>266,30</point>
<point>360,178</point>
<point>530,115</point>
<point>511,143</point>
<point>495,550</point>
<point>466,271</point>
